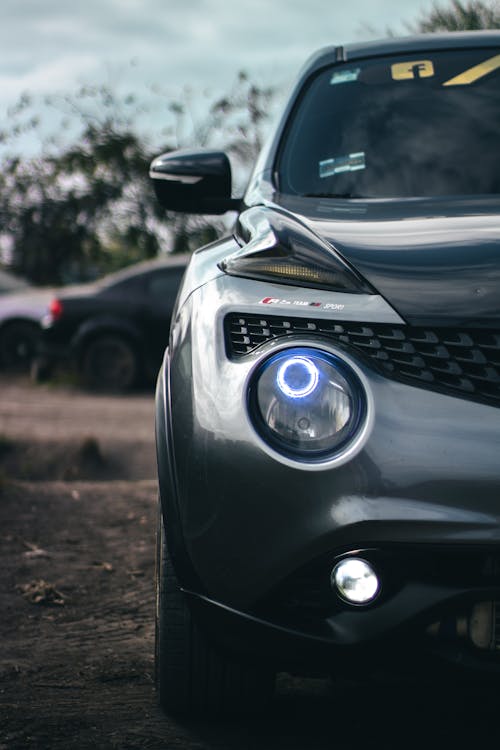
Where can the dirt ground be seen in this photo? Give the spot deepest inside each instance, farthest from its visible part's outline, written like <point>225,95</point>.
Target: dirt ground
<point>77,514</point>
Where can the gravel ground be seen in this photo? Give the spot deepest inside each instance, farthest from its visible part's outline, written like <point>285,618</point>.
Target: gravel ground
<point>77,514</point>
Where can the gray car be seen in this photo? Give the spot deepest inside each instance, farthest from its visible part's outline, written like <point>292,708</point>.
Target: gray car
<point>21,314</point>
<point>328,423</point>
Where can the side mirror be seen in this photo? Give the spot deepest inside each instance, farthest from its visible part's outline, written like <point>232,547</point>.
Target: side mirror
<point>195,182</point>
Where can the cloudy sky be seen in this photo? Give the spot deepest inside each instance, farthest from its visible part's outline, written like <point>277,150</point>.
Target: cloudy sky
<point>53,45</point>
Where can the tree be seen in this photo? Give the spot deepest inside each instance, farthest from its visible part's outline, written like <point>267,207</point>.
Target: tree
<point>68,214</point>
<point>241,117</point>
<point>84,205</point>
<point>472,15</point>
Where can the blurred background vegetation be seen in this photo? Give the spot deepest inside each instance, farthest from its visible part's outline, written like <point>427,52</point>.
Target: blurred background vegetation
<point>82,205</point>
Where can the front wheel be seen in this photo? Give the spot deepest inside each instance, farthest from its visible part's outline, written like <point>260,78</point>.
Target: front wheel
<point>18,345</point>
<point>192,677</point>
<point>109,363</point>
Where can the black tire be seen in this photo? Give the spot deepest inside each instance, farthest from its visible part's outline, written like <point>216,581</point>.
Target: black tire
<point>18,345</point>
<point>192,677</point>
<point>109,363</point>
<point>41,370</point>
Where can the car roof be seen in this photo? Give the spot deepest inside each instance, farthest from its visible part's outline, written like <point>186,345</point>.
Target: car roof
<point>402,45</point>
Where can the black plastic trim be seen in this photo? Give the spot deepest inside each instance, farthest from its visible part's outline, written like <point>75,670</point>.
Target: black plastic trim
<point>167,481</point>
<point>459,362</point>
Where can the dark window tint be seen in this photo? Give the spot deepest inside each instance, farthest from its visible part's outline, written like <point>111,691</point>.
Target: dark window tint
<point>134,285</point>
<point>419,125</point>
<point>165,285</point>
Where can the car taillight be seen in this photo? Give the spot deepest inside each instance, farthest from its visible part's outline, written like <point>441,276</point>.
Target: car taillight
<point>55,309</point>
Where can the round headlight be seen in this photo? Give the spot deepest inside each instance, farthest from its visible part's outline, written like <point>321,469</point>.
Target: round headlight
<point>355,580</point>
<point>306,403</point>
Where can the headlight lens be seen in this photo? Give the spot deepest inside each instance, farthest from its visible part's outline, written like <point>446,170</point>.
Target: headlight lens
<point>306,403</point>
<point>355,580</point>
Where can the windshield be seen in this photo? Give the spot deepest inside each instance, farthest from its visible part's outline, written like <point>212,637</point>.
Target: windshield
<point>408,126</point>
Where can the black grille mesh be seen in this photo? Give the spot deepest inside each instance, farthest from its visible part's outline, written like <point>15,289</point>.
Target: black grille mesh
<point>462,362</point>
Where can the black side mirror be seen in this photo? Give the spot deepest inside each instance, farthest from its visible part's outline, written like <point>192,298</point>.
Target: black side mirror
<point>196,182</point>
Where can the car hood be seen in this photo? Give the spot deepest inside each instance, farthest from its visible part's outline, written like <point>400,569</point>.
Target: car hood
<point>435,261</point>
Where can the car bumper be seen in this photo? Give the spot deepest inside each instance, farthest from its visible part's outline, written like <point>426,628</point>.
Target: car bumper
<point>409,650</point>
<point>420,496</point>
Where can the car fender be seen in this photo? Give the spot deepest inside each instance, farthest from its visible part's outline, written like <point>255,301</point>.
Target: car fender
<point>168,492</point>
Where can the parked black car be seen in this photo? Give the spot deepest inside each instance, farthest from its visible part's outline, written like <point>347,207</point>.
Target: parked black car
<point>328,422</point>
<point>114,331</point>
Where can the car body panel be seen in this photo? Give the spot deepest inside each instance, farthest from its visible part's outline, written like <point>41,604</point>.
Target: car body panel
<point>378,496</point>
<point>255,531</point>
<point>28,305</point>
<point>436,263</point>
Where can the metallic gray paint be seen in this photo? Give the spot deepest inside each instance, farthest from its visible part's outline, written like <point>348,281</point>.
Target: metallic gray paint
<point>437,264</point>
<point>426,474</point>
<point>438,268</point>
<point>248,520</point>
<point>234,294</point>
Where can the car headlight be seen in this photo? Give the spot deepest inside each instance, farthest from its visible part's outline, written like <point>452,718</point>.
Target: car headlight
<point>306,403</point>
<point>278,249</point>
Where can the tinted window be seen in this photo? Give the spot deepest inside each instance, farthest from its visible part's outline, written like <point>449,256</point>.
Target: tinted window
<point>130,285</point>
<point>165,285</point>
<point>419,125</point>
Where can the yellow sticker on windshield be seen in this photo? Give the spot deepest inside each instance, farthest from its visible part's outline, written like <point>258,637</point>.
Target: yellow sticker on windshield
<point>415,69</point>
<point>475,73</point>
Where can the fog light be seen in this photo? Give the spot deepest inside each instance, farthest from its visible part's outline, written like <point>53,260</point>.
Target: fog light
<point>355,580</point>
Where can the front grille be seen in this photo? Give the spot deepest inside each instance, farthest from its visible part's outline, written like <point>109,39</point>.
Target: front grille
<point>463,362</point>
